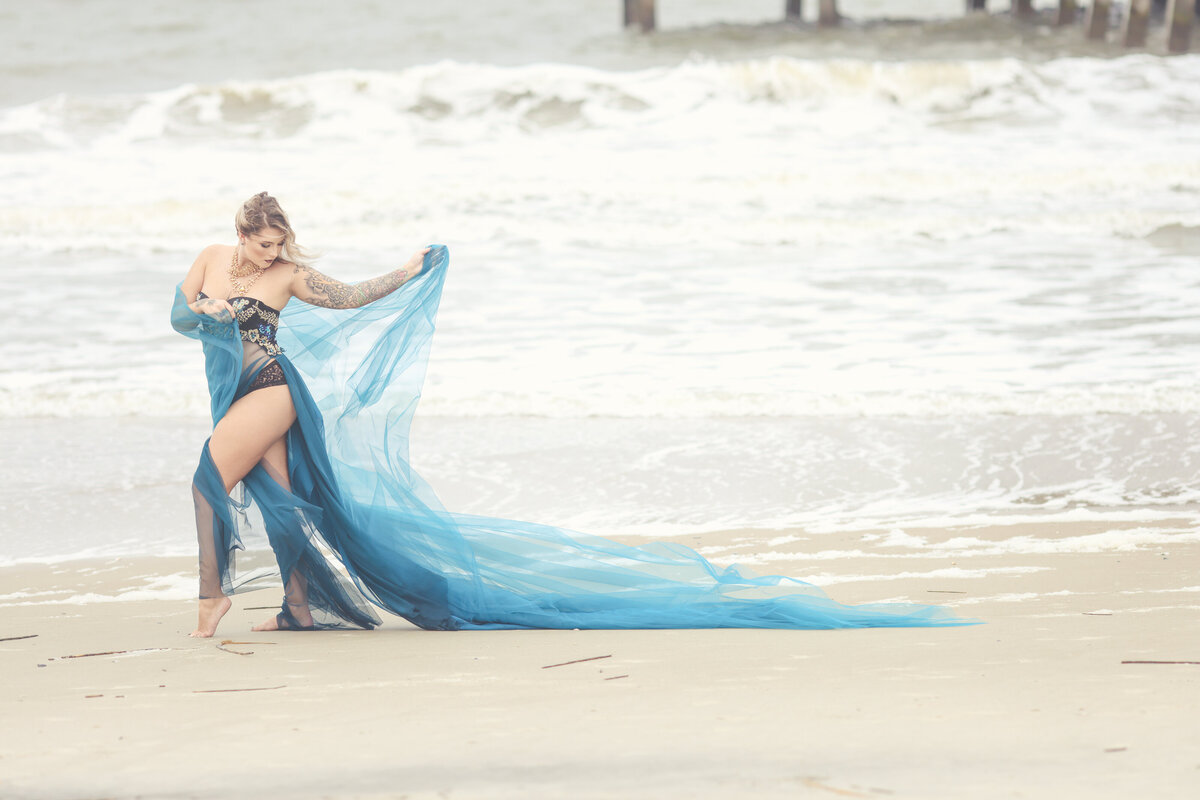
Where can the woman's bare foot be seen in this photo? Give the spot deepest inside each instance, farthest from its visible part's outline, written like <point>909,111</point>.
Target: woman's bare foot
<point>211,611</point>
<point>279,622</point>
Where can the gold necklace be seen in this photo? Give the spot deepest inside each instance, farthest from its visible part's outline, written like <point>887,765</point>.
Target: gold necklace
<point>234,275</point>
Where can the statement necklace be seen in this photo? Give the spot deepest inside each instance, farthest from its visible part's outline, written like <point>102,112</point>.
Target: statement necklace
<point>235,276</point>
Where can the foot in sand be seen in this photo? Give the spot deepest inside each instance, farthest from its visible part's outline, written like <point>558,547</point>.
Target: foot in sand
<point>211,611</point>
<point>301,621</point>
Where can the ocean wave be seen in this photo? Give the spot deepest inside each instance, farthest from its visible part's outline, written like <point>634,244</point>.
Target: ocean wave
<point>768,153</point>
<point>457,102</point>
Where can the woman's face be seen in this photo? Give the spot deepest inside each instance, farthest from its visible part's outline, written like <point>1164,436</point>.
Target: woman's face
<point>262,248</point>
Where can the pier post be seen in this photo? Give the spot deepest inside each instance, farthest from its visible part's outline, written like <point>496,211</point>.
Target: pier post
<point>1023,8</point>
<point>795,10</point>
<point>1066,12</point>
<point>976,5</point>
<point>1136,23</point>
<point>1180,16</point>
<point>640,13</point>
<point>1096,24</point>
<point>828,14</point>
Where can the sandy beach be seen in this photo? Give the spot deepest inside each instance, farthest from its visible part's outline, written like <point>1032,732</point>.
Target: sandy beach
<point>904,307</point>
<point>1062,693</point>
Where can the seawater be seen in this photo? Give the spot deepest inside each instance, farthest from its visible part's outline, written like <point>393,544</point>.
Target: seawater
<point>734,275</point>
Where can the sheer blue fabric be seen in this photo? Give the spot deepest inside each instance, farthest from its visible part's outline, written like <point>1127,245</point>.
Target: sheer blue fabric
<point>353,525</point>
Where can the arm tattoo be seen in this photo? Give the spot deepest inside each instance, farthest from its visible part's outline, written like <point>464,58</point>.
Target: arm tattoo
<point>325,291</point>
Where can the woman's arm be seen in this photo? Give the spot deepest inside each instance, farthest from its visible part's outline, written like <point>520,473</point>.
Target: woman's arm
<point>321,290</point>
<point>193,282</point>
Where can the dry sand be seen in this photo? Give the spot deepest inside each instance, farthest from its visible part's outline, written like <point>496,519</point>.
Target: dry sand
<point>1044,700</point>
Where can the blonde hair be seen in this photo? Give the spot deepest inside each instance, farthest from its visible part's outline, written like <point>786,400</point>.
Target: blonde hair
<point>263,211</point>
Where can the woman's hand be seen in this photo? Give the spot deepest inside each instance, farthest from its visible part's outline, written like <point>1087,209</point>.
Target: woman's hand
<point>415,264</point>
<point>215,307</point>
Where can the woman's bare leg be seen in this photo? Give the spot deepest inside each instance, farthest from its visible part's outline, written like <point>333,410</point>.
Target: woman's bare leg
<point>274,461</point>
<point>241,439</point>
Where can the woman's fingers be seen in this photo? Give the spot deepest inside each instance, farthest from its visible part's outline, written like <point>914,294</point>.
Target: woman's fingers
<point>216,308</point>
<point>417,262</point>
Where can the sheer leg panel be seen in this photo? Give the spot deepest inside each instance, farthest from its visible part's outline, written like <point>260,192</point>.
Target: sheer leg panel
<point>314,588</point>
<point>216,531</point>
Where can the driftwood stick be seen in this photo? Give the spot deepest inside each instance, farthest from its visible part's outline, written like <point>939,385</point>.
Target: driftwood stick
<point>252,689</point>
<point>117,652</point>
<point>577,661</point>
<point>17,638</point>
<point>1160,662</point>
<point>813,783</point>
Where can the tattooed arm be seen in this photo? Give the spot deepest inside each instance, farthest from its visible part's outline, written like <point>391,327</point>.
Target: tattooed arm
<point>321,290</point>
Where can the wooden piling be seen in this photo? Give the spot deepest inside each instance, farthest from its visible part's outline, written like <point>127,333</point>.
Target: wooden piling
<point>795,10</point>
<point>640,14</point>
<point>1180,16</point>
<point>1136,23</point>
<point>1023,9</point>
<point>828,13</point>
<point>1096,24</point>
<point>1067,10</point>
<point>976,5</point>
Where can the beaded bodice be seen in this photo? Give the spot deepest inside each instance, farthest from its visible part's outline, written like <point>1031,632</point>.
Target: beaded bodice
<point>257,322</point>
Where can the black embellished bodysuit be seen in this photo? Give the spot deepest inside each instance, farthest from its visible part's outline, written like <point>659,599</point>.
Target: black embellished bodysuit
<point>258,323</point>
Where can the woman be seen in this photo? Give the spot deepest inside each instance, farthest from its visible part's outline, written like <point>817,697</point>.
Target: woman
<point>250,281</point>
<point>318,439</point>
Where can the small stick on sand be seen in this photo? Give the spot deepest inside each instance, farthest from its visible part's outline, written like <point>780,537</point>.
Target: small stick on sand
<point>16,638</point>
<point>117,652</point>
<point>813,783</point>
<point>1160,662</point>
<point>577,661</point>
<point>253,689</point>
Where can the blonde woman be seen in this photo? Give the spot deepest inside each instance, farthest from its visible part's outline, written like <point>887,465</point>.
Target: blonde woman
<point>249,282</point>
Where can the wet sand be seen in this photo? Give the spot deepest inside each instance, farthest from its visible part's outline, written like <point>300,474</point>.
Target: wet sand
<point>1062,693</point>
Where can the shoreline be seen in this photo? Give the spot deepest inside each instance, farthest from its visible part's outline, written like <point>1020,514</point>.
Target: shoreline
<point>1037,702</point>
<point>967,564</point>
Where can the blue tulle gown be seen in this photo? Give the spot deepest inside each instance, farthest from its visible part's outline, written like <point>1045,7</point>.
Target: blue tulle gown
<point>356,527</point>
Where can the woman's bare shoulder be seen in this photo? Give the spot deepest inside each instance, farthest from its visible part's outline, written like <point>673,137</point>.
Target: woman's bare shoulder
<point>216,250</point>
<point>210,256</point>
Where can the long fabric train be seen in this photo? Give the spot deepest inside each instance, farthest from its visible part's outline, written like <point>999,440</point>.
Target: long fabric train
<point>357,523</point>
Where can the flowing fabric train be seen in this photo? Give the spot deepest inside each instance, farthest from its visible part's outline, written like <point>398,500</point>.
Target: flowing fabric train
<point>357,524</point>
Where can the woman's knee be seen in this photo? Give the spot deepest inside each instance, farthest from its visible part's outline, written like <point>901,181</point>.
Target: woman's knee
<point>225,458</point>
